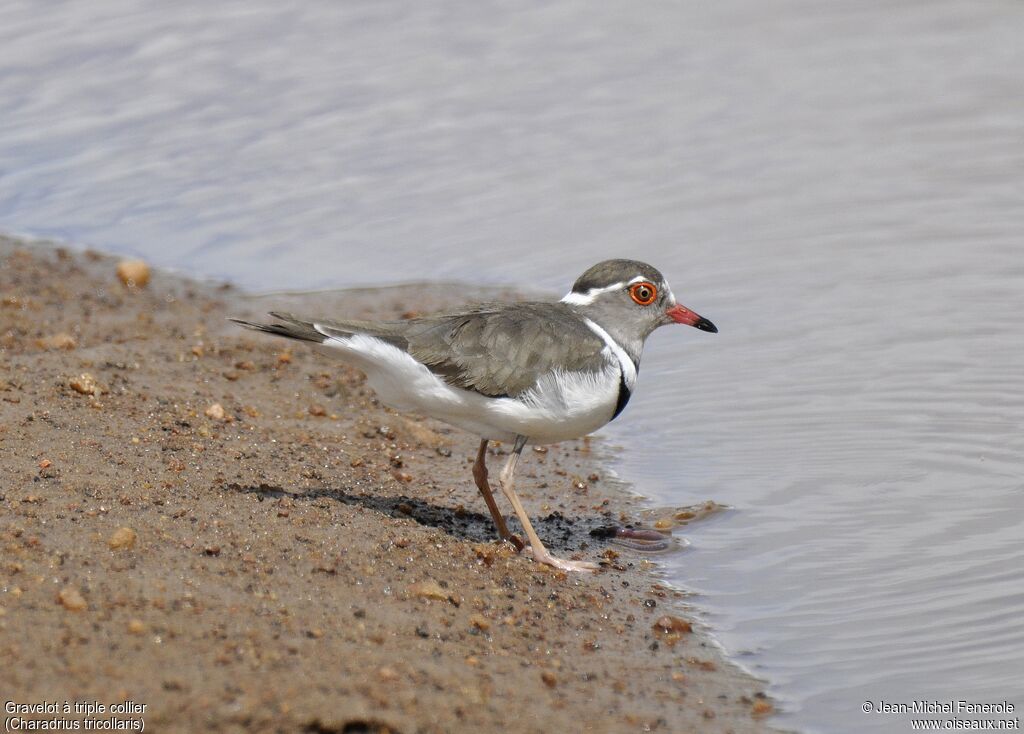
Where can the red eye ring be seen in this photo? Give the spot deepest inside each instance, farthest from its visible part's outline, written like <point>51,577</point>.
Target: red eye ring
<point>643,293</point>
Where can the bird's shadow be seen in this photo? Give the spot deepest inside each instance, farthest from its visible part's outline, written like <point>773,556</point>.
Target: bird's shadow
<point>555,530</point>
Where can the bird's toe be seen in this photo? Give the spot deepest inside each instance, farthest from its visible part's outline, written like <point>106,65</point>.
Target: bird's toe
<point>562,564</point>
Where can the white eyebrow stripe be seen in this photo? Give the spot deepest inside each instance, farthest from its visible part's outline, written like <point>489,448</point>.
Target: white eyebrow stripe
<point>625,361</point>
<point>585,299</point>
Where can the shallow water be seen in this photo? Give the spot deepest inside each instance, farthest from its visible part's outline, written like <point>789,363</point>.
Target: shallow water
<point>839,186</point>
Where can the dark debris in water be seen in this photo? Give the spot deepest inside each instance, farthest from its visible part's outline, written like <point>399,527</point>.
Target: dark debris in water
<point>644,540</point>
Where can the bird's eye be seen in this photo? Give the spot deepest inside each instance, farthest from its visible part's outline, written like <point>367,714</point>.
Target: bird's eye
<point>643,293</point>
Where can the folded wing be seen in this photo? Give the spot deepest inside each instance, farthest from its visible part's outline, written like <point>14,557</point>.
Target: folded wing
<point>500,349</point>
<point>503,349</point>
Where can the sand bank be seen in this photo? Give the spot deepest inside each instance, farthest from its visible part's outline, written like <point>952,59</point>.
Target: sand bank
<point>231,532</point>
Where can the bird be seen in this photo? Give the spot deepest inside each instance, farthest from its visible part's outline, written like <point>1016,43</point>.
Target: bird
<point>534,372</point>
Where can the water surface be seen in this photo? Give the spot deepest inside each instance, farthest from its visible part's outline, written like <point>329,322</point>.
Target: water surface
<point>838,185</point>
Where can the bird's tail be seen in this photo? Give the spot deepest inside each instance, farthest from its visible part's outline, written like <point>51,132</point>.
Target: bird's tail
<point>289,327</point>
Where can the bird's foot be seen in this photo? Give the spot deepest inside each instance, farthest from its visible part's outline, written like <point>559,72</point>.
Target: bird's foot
<point>561,564</point>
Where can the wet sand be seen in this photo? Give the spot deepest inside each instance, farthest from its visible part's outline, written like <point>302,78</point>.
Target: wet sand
<point>300,558</point>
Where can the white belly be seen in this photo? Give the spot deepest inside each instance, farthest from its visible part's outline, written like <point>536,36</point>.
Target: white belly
<point>562,406</point>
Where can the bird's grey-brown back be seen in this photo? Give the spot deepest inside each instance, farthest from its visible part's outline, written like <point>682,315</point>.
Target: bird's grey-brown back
<point>504,348</point>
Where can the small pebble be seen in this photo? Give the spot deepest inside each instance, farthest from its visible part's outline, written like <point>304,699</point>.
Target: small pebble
<point>216,411</point>
<point>72,600</point>
<point>669,624</point>
<point>671,629</point>
<point>84,384</point>
<point>122,538</point>
<point>136,626</point>
<point>63,340</point>
<point>133,273</point>
<point>430,589</point>
<point>549,678</point>
<point>708,665</point>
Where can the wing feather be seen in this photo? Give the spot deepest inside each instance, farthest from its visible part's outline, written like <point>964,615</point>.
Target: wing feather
<point>503,349</point>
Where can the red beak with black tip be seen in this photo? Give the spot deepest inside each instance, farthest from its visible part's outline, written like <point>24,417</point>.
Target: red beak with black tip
<point>683,315</point>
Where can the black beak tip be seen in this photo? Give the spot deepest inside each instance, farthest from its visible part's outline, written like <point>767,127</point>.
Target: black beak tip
<point>705,325</point>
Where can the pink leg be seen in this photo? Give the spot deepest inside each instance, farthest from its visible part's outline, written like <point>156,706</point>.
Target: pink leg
<point>537,549</point>
<point>480,476</point>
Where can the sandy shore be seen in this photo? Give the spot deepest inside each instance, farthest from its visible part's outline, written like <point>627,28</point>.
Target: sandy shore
<point>236,535</point>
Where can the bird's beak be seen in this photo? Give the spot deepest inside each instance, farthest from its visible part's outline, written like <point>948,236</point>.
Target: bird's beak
<point>683,315</point>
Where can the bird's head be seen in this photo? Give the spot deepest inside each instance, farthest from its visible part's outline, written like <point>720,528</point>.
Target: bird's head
<point>630,299</point>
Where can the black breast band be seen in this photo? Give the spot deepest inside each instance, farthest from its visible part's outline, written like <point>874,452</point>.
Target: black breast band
<point>624,395</point>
